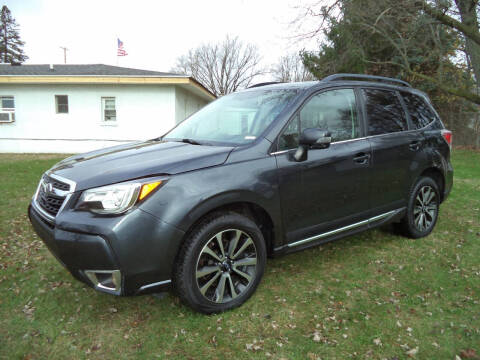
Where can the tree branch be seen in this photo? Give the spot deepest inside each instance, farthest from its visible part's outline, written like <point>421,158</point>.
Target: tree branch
<point>439,15</point>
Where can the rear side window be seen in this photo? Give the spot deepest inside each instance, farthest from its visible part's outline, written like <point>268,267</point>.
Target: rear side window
<point>420,113</point>
<point>384,111</point>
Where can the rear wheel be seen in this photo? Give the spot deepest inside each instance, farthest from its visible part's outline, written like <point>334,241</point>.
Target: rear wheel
<point>422,210</point>
<point>221,263</point>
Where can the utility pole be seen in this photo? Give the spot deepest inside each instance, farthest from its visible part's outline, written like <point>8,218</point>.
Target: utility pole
<point>64,53</point>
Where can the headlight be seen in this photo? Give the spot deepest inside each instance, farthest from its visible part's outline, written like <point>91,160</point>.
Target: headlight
<point>115,199</point>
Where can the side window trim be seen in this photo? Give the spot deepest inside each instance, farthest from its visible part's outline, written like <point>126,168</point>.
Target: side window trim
<point>362,112</point>
<point>405,112</point>
<point>362,134</point>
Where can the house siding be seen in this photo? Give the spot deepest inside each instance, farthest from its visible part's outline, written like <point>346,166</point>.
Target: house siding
<point>186,104</point>
<point>143,112</point>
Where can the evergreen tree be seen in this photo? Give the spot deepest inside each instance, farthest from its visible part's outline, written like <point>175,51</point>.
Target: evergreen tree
<point>11,47</point>
<point>394,38</point>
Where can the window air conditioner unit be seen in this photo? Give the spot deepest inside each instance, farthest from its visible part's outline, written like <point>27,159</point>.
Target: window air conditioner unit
<point>7,116</point>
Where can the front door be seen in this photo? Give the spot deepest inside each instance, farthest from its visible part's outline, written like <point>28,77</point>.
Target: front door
<point>329,190</point>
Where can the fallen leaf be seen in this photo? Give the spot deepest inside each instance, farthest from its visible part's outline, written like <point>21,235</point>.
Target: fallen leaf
<point>469,354</point>
<point>412,352</point>
<point>96,347</point>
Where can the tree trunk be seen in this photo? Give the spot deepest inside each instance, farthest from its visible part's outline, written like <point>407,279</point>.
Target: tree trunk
<point>468,14</point>
<point>5,38</point>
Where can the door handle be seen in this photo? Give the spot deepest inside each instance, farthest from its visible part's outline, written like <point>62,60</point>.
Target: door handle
<point>362,158</point>
<point>415,145</point>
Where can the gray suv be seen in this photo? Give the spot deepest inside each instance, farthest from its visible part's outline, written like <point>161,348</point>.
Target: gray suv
<point>262,172</point>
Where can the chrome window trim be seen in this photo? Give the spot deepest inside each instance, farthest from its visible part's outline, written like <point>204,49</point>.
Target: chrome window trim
<point>281,152</point>
<point>344,228</point>
<point>333,143</point>
<point>67,194</point>
<point>360,138</point>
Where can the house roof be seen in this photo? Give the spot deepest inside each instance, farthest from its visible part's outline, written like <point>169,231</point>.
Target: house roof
<point>96,74</point>
<point>77,70</point>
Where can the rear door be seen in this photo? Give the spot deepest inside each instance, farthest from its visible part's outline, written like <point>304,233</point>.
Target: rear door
<point>394,149</point>
<point>329,189</point>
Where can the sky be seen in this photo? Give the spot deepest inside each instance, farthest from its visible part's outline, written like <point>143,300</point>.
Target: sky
<point>154,33</point>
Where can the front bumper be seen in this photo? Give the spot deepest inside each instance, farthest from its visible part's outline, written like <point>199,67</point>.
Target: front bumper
<point>122,255</point>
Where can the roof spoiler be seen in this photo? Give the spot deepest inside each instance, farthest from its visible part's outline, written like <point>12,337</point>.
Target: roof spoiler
<point>366,77</point>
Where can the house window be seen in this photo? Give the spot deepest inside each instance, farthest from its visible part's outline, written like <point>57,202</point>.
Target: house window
<point>61,104</point>
<point>109,111</point>
<point>7,112</point>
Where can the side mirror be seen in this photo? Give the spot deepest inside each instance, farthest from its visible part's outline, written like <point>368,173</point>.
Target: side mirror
<point>315,138</point>
<point>312,138</point>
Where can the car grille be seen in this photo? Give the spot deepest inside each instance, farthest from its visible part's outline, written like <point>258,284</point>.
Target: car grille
<point>58,184</point>
<point>48,201</point>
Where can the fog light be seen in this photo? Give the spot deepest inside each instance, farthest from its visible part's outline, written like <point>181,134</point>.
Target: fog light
<point>106,280</point>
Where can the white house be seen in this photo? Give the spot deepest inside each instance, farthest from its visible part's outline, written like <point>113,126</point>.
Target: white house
<point>78,108</point>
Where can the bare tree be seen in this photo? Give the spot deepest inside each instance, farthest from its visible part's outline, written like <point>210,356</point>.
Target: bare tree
<point>290,68</point>
<point>222,67</point>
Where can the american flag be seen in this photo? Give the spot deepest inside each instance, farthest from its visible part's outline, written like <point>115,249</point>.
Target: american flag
<point>120,50</point>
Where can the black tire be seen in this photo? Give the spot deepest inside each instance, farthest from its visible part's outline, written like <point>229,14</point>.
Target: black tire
<point>412,224</point>
<point>194,259</point>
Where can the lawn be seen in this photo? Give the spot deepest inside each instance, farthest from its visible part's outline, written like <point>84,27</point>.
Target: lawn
<point>374,295</point>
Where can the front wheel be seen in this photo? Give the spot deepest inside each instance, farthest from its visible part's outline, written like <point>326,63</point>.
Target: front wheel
<point>220,264</point>
<point>422,210</point>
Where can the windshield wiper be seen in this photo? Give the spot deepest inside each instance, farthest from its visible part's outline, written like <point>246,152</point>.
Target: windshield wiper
<point>190,141</point>
<point>185,140</point>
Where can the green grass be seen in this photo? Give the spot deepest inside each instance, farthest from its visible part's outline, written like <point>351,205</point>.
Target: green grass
<point>374,295</point>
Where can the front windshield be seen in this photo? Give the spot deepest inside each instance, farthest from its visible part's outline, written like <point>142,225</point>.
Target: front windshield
<point>234,119</point>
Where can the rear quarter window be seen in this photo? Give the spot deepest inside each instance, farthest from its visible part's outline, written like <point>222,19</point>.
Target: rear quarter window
<point>384,112</point>
<point>420,112</point>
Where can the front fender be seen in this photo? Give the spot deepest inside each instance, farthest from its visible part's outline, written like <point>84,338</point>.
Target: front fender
<point>185,198</point>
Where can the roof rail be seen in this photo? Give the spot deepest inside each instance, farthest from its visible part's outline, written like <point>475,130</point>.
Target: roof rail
<point>366,77</point>
<point>264,84</point>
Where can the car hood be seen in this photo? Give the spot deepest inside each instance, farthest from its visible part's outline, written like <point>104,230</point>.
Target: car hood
<point>137,160</point>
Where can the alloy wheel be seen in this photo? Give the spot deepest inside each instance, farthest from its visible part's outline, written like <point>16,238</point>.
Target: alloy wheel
<point>226,266</point>
<point>425,208</point>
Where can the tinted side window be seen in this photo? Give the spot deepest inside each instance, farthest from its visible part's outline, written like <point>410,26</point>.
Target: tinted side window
<point>289,138</point>
<point>420,113</point>
<point>333,110</point>
<point>384,111</point>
